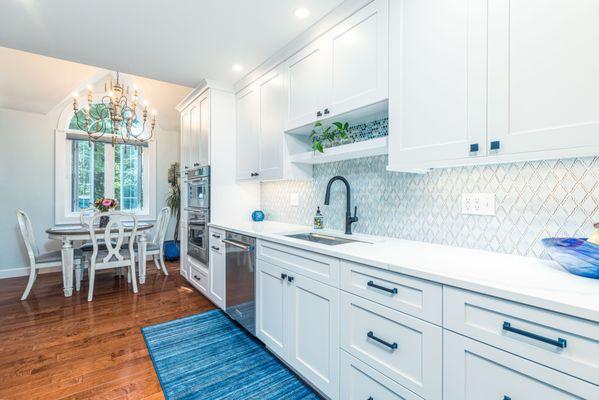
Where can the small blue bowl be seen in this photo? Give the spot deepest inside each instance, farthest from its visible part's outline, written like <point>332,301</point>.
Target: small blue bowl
<point>258,216</point>
<point>576,255</point>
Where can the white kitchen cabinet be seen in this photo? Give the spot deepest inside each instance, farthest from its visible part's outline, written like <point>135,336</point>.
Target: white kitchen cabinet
<point>343,70</point>
<point>185,139</point>
<point>437,91</point>
<point>313,319</point>
<point>543,81</point>
<point>359,59</point>
<point>474,84</point>
<point>248,125</point>
<point>217,271</point>
<point>308,83</point>
<point>271,307</point>
<point>183,265</point>
<point>298,319</point>
<point>272,96</point>
<point>362,382</point>
<point>203,132</point>
<point>475,371</point>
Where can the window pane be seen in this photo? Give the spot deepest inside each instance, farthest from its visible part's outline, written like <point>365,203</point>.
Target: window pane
<point>87,173</point>
<point>128,177</point>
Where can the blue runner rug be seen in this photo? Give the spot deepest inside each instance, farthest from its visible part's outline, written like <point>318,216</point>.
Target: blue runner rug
<point>207,356</point>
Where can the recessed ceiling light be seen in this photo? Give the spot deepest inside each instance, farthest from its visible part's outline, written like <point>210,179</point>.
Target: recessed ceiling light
<point>237,67</point>
<point>302,13</point>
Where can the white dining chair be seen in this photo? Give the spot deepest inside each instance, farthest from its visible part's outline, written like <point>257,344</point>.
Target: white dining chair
<point>85,219</point>
<point>39,260</point>
<point>155,248</point>
<point>116,255</point>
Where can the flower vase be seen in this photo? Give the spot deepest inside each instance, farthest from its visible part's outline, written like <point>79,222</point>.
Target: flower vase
<point>104,221</point>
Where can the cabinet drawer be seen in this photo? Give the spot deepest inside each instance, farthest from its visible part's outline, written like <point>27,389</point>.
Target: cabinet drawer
<point>216,236</point>
<point>417,297</point>
<point>529,332</point>
<point>313,265</point>
<point>402,347</point>
<point>199,278</point>
<point>475,371</point>
<point>361,382</point>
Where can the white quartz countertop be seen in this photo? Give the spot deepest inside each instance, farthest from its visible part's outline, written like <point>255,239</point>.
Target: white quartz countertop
<point>533,281</point>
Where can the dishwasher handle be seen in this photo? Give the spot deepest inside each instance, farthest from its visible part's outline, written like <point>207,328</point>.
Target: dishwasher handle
<point>239,245</point>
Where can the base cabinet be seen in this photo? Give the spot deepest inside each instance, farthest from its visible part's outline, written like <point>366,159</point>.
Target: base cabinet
<point>361,382</point>
<point>217,275</point>
<point>475,371</point>
<point>298,319</point>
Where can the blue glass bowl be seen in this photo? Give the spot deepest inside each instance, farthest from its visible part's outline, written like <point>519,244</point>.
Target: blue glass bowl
<point>576,255</point>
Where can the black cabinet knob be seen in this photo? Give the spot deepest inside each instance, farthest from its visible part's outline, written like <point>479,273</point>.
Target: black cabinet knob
<point>326,111</point>
<point>290,278</point>
<point>473,147</point>
<point>283,276</point>
<point>319,113</point>
<point>495,145</point>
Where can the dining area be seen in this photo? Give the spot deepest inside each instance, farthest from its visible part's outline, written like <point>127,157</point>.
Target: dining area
<point>104,239</point>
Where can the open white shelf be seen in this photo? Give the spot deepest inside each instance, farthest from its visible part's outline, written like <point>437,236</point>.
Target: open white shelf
<point>366,148</point>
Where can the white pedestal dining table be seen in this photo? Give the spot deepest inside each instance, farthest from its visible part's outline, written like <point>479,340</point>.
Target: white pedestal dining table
<point>68,234</point>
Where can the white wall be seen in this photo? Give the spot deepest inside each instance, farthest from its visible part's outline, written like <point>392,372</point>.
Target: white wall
<point>27,179</point>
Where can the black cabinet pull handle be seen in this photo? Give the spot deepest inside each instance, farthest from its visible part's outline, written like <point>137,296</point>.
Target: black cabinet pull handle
<point>326,111</point>
<point>290,278</point>
<point>392,346</point>
<point>197,277</point>
<point>561,343</point>
<point>283,276</point>
<point>216,236</point>
<point>495,145</point>
<point>215,248</point>
<point>374,285</point>
<point>319,113</point>
<point>473,147</point>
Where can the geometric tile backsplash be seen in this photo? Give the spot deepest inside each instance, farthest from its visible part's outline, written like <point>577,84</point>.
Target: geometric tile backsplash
<point>533,200</point>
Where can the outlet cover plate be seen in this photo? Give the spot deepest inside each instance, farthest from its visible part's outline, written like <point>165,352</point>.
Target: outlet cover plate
<point>478,203</point>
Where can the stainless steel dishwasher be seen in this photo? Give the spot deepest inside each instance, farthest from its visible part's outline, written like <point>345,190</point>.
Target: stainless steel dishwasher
<point>240,259</point>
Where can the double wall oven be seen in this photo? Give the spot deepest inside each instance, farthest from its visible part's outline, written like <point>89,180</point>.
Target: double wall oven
<point>198,212</point>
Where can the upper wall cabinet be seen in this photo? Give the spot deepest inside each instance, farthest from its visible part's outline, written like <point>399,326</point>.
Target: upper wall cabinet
<point>343,70</point>
<point>248,126</point>
<point>543,76</point>
<point>473,83</point>
<point>195,133</point>
<point>437,88</point>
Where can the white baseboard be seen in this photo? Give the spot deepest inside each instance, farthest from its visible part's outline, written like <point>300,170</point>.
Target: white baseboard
<point>24,271</point>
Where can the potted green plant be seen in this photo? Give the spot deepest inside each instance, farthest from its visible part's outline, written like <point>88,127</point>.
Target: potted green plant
<point>327,137</point>
<point>173,200</point>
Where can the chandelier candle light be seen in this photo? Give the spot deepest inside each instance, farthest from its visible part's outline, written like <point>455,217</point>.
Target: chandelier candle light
<point>115,115</point>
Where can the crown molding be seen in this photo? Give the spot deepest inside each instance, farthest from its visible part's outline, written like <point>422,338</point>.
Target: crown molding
<point>204,85</point>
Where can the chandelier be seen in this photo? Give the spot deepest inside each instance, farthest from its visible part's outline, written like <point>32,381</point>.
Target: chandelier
<point>116,115</point>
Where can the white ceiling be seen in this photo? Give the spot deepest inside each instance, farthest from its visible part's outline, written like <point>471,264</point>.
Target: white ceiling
<point>182,41</point>
<point>33,83</point>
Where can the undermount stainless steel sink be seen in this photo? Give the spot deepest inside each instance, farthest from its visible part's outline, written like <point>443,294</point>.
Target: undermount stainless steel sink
<point>323,239</point>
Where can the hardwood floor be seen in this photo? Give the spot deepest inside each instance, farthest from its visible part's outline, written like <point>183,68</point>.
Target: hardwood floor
<point>52,347</point>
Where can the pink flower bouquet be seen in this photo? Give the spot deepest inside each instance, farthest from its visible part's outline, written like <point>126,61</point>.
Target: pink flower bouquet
<point>104,204</point>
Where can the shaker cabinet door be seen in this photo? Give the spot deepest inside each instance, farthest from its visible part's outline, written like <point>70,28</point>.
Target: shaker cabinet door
<point>271,307</point>
<point>314,332</point>
<point>308,82</point>
<point>248,125</point>
<point>272,124</point>
<point>359,59</point>
<point>437,84</point>
<point>543,80</point>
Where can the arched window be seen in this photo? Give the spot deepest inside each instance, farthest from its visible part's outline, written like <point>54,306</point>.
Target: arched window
<point>101,168</point>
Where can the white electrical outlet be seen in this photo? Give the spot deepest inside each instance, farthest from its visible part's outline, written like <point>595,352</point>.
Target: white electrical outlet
<point>478,203</point>
<point>294,199</point>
